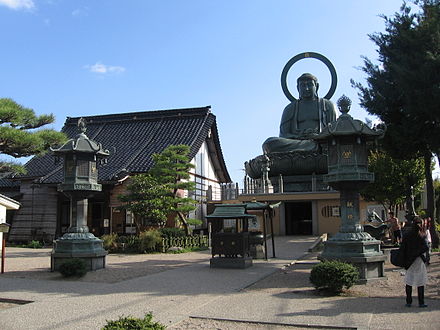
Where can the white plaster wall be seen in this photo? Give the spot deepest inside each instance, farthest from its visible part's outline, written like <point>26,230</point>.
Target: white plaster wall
<point>204,168</point>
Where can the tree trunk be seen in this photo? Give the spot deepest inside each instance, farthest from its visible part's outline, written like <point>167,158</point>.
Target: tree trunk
<point>182,219</point>
<point>433,231</point>
<point>430,197</point>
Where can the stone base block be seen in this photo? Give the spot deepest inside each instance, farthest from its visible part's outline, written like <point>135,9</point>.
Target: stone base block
<point>240,263</point>
<point>88,249</point>
<point>93,261</point>
<point>370,268</point>
<point>351,248</point>
<point>364,255</point>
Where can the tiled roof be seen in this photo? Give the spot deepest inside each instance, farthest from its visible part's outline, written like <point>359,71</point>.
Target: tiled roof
<point>132,138</point>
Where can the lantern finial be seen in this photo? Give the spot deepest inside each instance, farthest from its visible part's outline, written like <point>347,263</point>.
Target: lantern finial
<point>82,125</point>
<point>344,104</point>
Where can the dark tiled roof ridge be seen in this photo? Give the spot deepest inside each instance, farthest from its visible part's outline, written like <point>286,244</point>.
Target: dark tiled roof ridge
<point>134,138</point>
<point>216,138</point>
<point>141,115</point>
<point>199,132</point>
<point>141,149</point>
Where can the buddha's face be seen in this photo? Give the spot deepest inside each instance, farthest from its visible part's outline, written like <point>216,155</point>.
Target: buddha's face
<point>307,89</point>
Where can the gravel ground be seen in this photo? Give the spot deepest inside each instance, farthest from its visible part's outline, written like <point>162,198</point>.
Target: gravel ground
<point>194,323</point>
<point>119,267</point>
<point>290,280</point>
<point>5,305</point>
<point>295,280</point>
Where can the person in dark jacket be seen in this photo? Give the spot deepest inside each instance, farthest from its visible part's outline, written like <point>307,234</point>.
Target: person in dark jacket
<point>414,245</point>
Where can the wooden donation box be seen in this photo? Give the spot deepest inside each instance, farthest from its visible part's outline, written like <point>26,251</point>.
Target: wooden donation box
<point>230,245</point>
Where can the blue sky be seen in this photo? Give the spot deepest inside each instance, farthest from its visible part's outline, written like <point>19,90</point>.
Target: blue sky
<point>78,58</point>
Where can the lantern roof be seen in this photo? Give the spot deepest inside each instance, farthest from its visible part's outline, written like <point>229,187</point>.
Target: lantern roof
<point>345,125</point>
<point>230,211</point>
<point>81,143</point>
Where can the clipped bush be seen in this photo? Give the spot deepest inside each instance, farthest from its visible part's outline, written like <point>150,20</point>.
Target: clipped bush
<point>73,267</point>
<point>130,243</point>
<point>110,242</point>
<point>149,240</point>
<point>171,232</point>
<point>334,276</point>
<point>34,244</point>
<point>129,322</point>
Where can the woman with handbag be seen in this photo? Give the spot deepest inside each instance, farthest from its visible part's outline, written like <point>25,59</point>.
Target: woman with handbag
<point>414,247</point>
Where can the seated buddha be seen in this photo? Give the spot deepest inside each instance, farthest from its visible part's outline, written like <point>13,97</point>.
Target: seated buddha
<point>302,119</point>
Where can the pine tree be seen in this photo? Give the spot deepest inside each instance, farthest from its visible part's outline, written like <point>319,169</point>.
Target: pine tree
<point>20,135</point>
<point>403,91</point>
<point>159,193</point>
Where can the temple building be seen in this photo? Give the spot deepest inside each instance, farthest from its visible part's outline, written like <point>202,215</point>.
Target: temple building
<point>131,139</point>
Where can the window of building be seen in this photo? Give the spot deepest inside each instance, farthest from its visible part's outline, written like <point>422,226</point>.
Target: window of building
<point>129,218</point>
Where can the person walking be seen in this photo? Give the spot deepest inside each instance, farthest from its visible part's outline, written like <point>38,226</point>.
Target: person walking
<point>414,246</point>
<point>395,228</point>
<point>428,239</point>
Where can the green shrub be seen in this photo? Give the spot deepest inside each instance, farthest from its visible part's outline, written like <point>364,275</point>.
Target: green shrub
<point>149,240</point>
<point>129,243</point>
<point>171,232</point>
<point>129,322</point>
<point>334,276</point>
<point>194,222</point>
<point>110,242</point>
<point>34,244</point>
<point>73,267</point>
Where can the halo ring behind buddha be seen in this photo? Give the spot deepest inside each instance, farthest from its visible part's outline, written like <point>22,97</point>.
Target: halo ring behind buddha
<point>301,56</point>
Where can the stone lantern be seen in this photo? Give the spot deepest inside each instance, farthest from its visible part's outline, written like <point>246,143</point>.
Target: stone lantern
<point>346,144</point>
<point>81,157</point>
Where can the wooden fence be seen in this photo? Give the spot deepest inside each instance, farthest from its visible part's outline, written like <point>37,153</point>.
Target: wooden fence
<point>184,242</point>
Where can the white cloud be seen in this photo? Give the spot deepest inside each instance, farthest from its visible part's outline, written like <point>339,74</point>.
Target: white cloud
<point>104,69</point>
<point>18,4</point>
<point>80,12</point>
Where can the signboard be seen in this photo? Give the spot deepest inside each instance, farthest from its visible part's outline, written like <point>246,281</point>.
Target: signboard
<point>130,230</point>
<point>4,227</point>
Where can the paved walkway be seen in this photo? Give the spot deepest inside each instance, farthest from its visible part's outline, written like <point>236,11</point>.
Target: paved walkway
<point>177,287</point>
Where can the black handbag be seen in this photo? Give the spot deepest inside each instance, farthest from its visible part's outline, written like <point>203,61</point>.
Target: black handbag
<point>397,257</point>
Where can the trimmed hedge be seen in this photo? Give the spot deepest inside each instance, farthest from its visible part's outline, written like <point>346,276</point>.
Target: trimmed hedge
<point>153,241</point>
<point>73,267</point>
<point>185,242</point>
<point>334,276</point>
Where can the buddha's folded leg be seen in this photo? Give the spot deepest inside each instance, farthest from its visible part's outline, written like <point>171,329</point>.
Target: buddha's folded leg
<point>279,144</point>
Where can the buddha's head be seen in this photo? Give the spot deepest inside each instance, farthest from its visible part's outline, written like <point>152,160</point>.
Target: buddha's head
<point>308,86</point>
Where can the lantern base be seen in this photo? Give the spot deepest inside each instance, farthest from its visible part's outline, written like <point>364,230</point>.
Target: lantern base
<point>81,246</point>
<point>366,256</point>
<point>225,262</point>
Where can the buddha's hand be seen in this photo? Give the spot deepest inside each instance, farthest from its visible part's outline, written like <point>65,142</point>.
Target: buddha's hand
<point>309,133</point>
